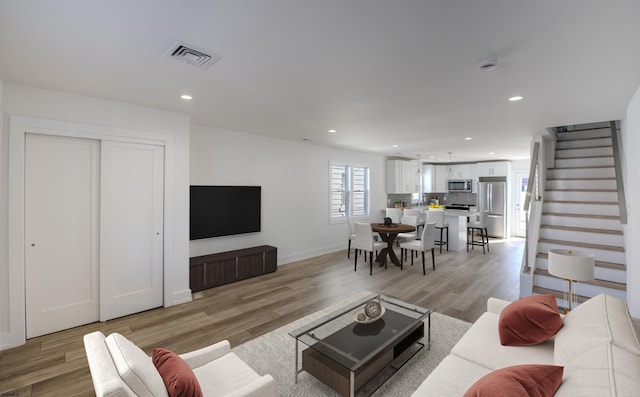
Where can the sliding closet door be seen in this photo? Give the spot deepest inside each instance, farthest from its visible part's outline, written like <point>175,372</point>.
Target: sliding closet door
<point>131,228</point>
<point>61,233</point>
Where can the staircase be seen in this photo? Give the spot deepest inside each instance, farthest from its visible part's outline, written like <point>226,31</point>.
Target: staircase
<point>580,212</point>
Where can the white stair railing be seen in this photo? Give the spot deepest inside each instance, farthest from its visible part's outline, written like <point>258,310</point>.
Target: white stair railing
<point>622,201</point>
<point>540,159</point>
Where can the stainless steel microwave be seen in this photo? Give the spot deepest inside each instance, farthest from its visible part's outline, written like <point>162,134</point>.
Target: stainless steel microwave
<point>459,185</point>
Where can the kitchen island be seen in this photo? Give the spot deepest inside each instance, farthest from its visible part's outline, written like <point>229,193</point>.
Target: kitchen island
<point>457,220</point>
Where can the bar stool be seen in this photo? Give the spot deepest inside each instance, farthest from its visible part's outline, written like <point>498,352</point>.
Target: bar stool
<point>437,216</point>
<point>481,225</point>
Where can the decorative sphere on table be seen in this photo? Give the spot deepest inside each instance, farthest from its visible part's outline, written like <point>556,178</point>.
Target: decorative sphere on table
<point>372,309</point>
<point>361,317</point>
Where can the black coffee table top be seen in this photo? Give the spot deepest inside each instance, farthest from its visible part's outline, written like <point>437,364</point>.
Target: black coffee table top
<point>352,344</point>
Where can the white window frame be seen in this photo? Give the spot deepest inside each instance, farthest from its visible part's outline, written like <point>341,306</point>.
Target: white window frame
<point>348,196</point>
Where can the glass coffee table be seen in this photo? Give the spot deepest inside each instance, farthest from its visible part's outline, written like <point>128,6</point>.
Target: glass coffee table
<point>346,352</point>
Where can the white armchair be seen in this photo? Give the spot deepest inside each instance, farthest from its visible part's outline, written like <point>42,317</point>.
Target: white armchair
<point>121,369</point>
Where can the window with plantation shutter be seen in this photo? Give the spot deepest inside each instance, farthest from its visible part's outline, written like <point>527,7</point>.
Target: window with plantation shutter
<point>349,191</point>
<point>338,191</point>
<point>359,191</point>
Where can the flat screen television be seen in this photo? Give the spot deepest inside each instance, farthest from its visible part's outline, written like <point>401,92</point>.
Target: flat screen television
<point>223,210</point>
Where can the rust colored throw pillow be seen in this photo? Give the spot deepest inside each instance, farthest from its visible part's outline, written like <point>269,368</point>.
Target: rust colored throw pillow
<point>519,381</point>
<point>176,374</point>
<point>529,321</point>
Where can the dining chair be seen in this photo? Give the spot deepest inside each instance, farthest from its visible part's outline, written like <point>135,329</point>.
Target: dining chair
<point>437,216</point>
<point>417,213</point>
<point>364,241</point>
<point>407,236</point>
<point>480,224</point>
<point>424,244</point>
<point>395,214</point>
<point>411,211</point>
<point>351,235</point>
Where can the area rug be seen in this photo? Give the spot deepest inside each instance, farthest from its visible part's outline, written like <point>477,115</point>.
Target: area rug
<point>273,353</point>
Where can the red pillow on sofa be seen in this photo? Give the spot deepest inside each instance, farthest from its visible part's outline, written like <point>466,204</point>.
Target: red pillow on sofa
<point>518,381</point>
<point>178,377</point>
<point>529,321</point>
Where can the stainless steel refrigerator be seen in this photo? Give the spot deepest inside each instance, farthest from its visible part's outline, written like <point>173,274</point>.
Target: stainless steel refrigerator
<point>492,196</point>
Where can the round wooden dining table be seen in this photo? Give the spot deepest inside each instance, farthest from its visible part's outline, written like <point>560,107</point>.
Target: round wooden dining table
<point>388,235</point>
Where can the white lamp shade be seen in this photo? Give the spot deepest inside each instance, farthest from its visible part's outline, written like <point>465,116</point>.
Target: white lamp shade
<point>571,265</point>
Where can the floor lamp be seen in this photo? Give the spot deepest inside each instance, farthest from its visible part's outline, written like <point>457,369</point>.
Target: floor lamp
<point>572,266</point>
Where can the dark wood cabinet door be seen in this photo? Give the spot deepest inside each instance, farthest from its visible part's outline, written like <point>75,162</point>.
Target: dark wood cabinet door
<point>226,267</point>
<point>221,272</point>
<point>196,277</point>
<point>250,265</point>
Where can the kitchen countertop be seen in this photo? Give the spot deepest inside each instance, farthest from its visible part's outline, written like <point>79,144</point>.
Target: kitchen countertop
<point>461,212</point>
<point>469,212</point>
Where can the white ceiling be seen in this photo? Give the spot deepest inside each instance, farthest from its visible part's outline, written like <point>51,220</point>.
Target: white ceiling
<point>380,72</point>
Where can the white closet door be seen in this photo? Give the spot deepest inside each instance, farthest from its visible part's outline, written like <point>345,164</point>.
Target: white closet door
<point>61,233</point>
<point>131,228</point>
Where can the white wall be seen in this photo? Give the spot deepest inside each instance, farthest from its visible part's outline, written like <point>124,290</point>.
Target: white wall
<point>294,179</point>
<point>631,142</point>
<point>114,117</point>
<point>516,166</point>
<point>4,251</point>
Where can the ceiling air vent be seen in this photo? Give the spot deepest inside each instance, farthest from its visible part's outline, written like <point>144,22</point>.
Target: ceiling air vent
<point>194,57</point>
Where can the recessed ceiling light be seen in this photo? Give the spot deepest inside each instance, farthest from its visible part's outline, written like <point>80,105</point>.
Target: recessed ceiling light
<point>394,145</point>
<point>487,65</point>
<point>491,153</point>
<point>515,98</point>
<point>332,131</point>
<point>468,138</point>
<point>186,97</point>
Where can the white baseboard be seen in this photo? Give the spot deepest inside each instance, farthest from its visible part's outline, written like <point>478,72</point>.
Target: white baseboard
<point>183,296</point>
<point>9,340</point>
<point>283,260</point>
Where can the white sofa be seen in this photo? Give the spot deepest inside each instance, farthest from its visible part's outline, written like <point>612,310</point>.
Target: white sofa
<point>597,346</point>
<point>121,369</point>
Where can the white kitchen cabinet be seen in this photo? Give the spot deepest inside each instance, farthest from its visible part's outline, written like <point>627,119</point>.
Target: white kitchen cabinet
<point>403,177</point>
<point>406,177</point>
<point>495,168</point>
<point>461,171</point>
<point>412,176</point>
<point>428,178</point>
<point>442,174</point>
<point>395,181</point>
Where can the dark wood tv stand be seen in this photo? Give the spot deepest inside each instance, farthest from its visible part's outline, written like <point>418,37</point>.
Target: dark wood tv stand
<point>211,270</point>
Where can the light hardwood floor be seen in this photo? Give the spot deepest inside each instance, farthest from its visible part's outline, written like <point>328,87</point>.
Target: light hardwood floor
<point>55,365</point>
